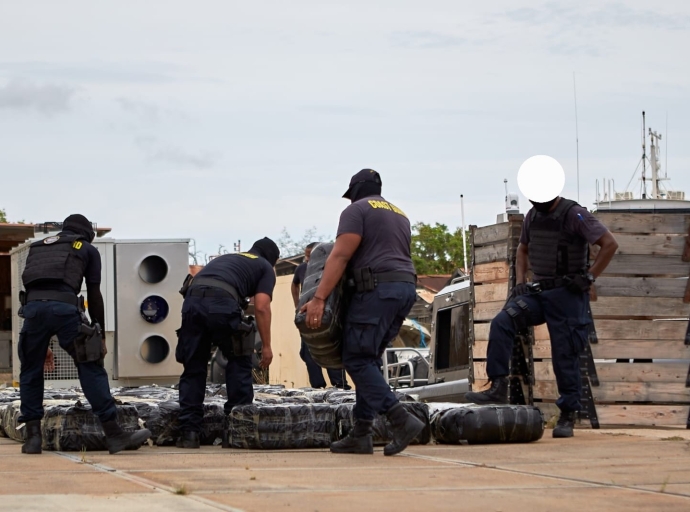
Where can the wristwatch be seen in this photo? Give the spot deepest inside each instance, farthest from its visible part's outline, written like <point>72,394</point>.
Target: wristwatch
<point>590,278</point>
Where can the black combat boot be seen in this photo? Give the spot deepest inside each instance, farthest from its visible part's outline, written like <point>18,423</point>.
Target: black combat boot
<point>565,424</point>
<point>117,440</point>
<point>359,440</point>
<point>188,439</point>
<point>34,440</point>
<point>405,428</point>
<point>496,394</point>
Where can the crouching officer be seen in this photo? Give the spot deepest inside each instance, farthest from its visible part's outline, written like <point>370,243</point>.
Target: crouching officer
<point>554,242</point>
<point>212,316</point>
<point>373,247</point>
<point>52,278</point>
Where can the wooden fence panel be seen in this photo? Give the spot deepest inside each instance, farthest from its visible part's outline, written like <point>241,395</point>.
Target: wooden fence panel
<point>631,307</point>
<point>640,287</point>
<point>492,292</point>
<point>491,272</point>
<point>645,223</point>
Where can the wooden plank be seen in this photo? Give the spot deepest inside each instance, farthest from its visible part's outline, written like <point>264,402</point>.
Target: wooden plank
<point>617,222</point>
<point>625,372</point>
<point>640,287</point>
<point>640,330</point>
<point>630,307</point>
<point>481,332</point>
<point>484,311</point>
<point>643,415</point>
<point>491,253</point>
<point>640,349</point>
<point>647,265</point>
<point>492,292</point>
<point>624,391</point>
<point>494,233</point>
<point>652,244</point>
<point>541,349</point>
<point>487,272</point>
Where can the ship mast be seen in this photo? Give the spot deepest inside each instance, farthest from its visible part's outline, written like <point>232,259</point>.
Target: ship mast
<point>654,163</point>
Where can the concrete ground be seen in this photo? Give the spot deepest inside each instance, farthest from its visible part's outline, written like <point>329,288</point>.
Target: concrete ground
<point>604,470</point>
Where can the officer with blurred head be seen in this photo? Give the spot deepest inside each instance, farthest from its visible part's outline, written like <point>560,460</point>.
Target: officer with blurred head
<point>373,249</point>
<point>212,316</point>
<point>53,275</point>
<point>554,243</point>
<point>316,380</point>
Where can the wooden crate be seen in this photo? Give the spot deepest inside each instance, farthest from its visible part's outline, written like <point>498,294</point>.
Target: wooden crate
<point>493,266</point>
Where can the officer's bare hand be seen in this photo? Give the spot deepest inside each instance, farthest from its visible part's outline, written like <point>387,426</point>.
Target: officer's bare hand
<point>49,363</point>
<point>314,313</point>
<point>266,357</point>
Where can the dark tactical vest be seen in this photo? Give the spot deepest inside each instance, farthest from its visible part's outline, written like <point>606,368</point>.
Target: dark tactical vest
<point>553,252</point>
<point>55,259</point>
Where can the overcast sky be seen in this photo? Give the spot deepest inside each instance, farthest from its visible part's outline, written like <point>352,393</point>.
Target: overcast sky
<point>227,120</point>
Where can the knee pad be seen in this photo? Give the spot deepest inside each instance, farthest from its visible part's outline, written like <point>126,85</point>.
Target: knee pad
<point>517,310</point>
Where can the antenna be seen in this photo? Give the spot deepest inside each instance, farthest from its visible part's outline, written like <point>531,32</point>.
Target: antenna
<point>505,183</point>
<point>464,238</point>
<point>237,246</point>
<point>666,150</point>
<point>577,141</point>
<point>644,159</point>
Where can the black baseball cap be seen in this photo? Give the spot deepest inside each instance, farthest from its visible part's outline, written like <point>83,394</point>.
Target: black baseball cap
<point>362,176</point>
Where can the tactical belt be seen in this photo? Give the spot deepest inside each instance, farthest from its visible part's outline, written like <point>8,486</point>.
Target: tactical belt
<point>555,282</point>
<point>218,288</point>
<point>395,277</point>
<point>67,297</point>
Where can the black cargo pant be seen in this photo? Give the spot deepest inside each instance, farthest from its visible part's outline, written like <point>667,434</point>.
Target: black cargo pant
<point>566,316</point>
<point>373,320</point>
<point>208,321</point>
<point>337,377</point>
<point>42,320</point>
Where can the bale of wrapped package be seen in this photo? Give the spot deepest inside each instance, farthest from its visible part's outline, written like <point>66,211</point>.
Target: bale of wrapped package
<point>272,427</point>
<point>483,424</point>
<point>3,407</point>
<point>381,428</point>
<point>325,342</point>
<point>73,427</point>
<point>10,421</point>
<point>164,426</point>
<point>161,393</point>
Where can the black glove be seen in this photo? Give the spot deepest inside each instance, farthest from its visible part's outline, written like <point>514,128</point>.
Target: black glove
<point>579,283</point>
<point>519,289</point>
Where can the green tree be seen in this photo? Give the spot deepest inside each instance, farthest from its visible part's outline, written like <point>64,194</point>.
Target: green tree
<point>3,215</point>
<point>437,250</point>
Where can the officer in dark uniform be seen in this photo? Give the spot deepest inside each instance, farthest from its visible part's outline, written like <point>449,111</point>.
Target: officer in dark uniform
<point>52,278</point>
<point>212,315</point>
<point>316,380</point>
<point>554,241</point>
<point>373,248</point>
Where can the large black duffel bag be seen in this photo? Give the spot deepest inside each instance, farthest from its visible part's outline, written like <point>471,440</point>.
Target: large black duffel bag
<point>324,343</point>
<point>484,424</point>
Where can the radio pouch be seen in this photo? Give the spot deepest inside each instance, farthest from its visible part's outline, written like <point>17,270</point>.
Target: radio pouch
<point>186,284</point>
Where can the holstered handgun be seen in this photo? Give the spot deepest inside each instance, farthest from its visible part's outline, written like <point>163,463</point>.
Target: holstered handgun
<point>186,284</point>
<point>22,303</point>
<point>243,338</point>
